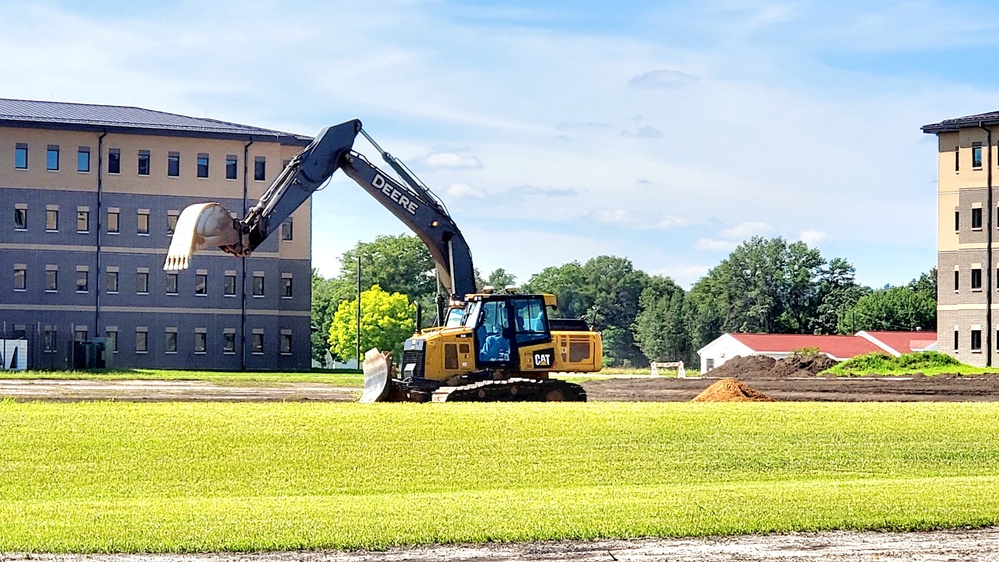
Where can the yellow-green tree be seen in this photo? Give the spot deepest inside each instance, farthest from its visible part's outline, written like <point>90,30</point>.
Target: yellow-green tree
<point>386,321</point>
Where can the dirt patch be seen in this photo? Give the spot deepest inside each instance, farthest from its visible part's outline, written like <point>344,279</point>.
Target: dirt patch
<point>838,546</point>
<point>731,390</point>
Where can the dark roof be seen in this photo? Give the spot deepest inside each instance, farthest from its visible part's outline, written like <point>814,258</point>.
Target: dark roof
<point>952,125</point>
<point>133,120</point>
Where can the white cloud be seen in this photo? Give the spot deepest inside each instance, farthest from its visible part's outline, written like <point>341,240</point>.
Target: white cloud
<point>813,237</point>
<point>460,190</point>
<point>647,132</point>
<point>668,221</point>
<point>711,245</point>
<point>455,159</point>
<point>746,230</point>
<point>662,78</point>
<point>613,216</point>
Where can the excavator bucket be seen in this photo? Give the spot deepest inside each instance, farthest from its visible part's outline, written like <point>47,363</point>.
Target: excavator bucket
<point>376,376</point>
<point>200,226</point>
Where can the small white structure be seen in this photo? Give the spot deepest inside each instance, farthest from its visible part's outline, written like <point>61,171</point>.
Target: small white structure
<point>681,373</point>
<point>13,355</point>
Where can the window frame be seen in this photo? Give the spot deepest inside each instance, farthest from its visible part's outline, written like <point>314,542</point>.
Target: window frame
<point>976,218</point>
<point>20,281</point>
<point>114,161</point>
<point>204,163</point>
<point>21,156</point>
<point>173,164</point>
<point>142,166</point>
<point>172,283</point>
<point>20,217</point>
<point>83,160</point>
<point>231,167</point>
<point>259,168</point>
<point>52,158</point>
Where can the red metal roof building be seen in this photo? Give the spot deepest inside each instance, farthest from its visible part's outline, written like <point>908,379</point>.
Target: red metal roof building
<point>840,348</point>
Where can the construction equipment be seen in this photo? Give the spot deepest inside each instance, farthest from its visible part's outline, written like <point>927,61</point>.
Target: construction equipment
<point>486,346</point>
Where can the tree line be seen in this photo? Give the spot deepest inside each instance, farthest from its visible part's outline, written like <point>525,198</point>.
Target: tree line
<point>766,285</point>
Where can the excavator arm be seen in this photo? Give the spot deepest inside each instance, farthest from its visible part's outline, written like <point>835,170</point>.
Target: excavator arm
<point>209,224</point>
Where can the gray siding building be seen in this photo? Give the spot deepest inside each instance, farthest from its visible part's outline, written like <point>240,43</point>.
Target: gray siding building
<point>90,194</point>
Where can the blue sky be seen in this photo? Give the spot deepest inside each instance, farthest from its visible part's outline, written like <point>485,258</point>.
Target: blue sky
<point>664,132</point>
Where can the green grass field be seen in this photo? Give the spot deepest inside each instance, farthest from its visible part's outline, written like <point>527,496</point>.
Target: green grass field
<point>95,477</point>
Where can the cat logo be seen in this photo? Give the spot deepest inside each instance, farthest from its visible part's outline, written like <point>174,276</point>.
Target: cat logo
<point>544,358</point>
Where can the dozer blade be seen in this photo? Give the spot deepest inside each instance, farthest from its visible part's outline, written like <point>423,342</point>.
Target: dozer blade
<point>376,376</point>
<point>200,226</point>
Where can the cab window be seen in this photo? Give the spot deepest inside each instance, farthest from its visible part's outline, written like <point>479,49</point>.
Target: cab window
<point>493,333</point>
<point>532,322</point>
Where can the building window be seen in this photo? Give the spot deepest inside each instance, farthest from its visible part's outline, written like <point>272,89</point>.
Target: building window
<point>83,219</point>
<point>52,158</point>
<point>52,219</point>
<point>229,284</point>
<point>51,278</point>
<point>21,217</point>
<point>976,340</point>
<point>285,343</point>
<point>286,286</point>
<point>111,281</point>
<point>956,340</point>
<point>20,277</point>
<point>976,218</point>
<point>142,282</point>
<point>142,222</point>
<point>957,221</point>
<point>143,167</point>
<point>976,155</point>
<point>83,159</point>
<point>173,164</point>
<point>141,340</point>
<point>957,280</point>
<point>80,334</point>
<point>230,167</point>
<point>258,284</point>
<point>957,158</point>
<point>170,345</point>
<point>172,217</point>
<point>287,230</point>
<point>113,221</point>
<point>112,335</point>
<point>21,156</point>
<point>200,340</point>
<point>259,168</point>
<point>976,279</point>
<point>257,343</point>
<point>114,160</point>
<point>201,283</point>
<point>202,165</point>
<point>229,341</point>
<point>49,339</point>
<point>171,283</point>
<point>82,281</point>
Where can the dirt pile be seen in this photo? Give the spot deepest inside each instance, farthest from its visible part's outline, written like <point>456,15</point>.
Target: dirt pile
<point>731,390</point>
<point>763,367</point>
<point>749,366</point>
<point>801,366</point>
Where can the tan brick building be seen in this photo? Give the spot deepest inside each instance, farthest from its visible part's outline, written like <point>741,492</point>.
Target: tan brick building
<point>89,196</point>
<point>968,216</point>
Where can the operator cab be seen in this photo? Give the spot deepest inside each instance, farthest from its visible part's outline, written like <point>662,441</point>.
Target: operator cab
<point>501,324</point>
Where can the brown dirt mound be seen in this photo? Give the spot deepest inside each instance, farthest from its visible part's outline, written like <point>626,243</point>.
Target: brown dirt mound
<point>750,365</point>
<point>801,366</point>
<point>731,390</point>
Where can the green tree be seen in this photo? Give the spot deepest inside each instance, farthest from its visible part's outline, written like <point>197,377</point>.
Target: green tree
<point>660,330</point>
<point>838,293</point>
<point>386,321</point>
<point>499,278</point>
<point>893,308</point>
<point>765,285</point>
<point>327,294</point>
<point>397,264</point>
<point>566,282</point>
<point>926,283</point>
